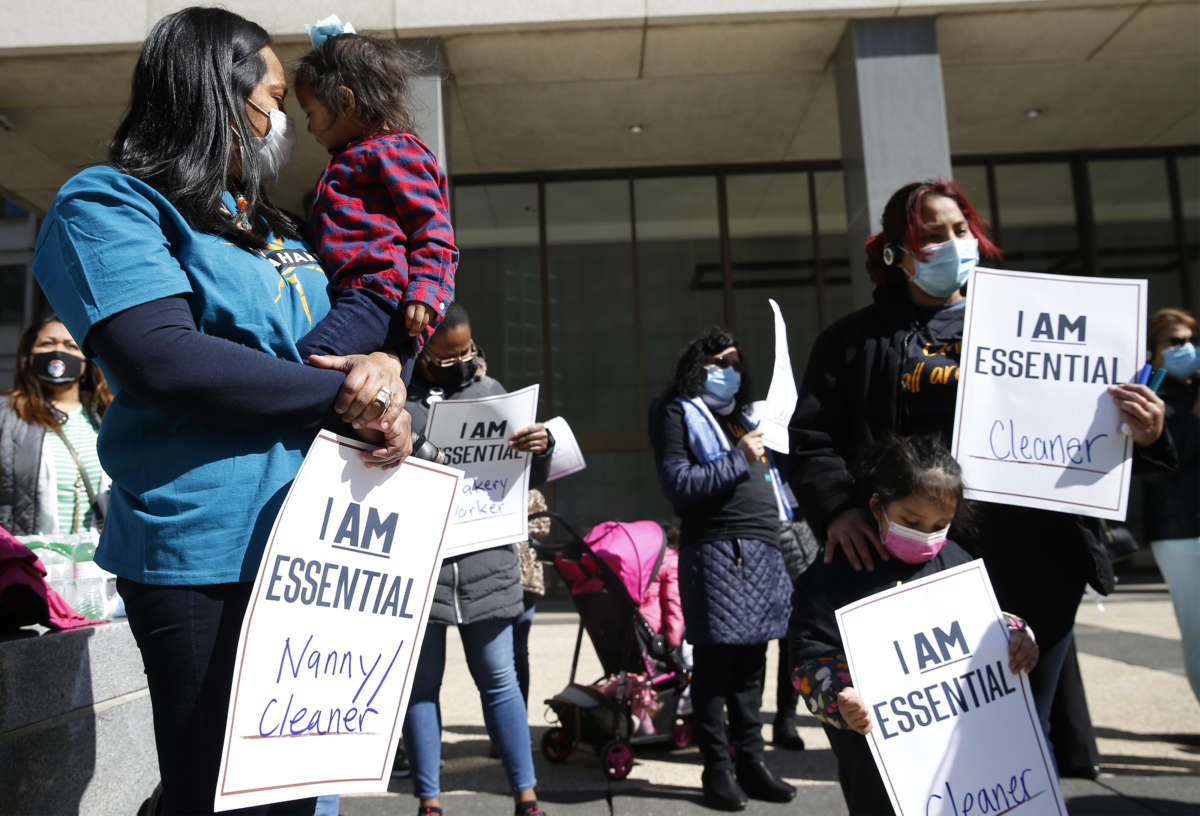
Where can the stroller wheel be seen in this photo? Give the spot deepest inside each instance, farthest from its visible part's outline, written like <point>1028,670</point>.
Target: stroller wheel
<point>681,733</point>
<point>617,758</point>
<point>556,746</point>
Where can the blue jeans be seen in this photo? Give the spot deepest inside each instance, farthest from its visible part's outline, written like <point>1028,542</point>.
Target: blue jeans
<point>521,627</point>
<point>489,650</point>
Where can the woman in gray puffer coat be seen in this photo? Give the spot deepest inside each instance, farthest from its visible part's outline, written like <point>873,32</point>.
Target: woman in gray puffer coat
<point>479,592</point>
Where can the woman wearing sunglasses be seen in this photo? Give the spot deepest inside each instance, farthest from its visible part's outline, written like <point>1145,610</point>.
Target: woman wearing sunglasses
<point>1172,512</point>
<point>479,592</point>
<point>733,583</point>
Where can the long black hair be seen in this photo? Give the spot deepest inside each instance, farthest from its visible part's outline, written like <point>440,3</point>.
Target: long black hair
<point>690,373</point>
<point>197,68</point>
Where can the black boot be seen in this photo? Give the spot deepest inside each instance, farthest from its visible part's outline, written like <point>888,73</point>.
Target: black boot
<point>784,734</point>
<point>721,790</point>
<point>760,782</point>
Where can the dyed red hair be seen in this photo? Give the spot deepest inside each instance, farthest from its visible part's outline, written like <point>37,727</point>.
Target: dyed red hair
<point>902,225</point>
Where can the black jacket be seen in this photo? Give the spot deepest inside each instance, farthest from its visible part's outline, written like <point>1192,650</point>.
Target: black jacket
<point>825,588</point>
<point>849,396</point>
<point>1172,500</point>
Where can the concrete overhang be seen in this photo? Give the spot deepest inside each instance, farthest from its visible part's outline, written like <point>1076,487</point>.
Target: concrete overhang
<point>554,84</point>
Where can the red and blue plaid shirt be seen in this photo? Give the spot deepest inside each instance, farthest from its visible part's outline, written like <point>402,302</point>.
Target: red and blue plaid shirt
<point>381,221</point>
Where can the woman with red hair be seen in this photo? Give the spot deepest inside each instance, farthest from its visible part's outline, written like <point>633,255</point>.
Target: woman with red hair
<point>893,368</point>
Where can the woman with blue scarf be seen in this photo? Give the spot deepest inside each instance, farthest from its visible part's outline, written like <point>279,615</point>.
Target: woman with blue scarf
<point>735,590</point>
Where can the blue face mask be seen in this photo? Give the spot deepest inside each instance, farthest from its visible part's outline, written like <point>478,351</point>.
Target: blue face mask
<point>1181,362</point>
<point>946,267</point>
<point>723,383</point>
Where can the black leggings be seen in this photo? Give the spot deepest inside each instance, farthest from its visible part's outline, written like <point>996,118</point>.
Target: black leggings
<point>188,638</point>
<point>727,680</point>
<point>858,774</point>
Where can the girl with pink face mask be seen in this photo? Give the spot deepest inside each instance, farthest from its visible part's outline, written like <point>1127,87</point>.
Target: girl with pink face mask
<point>915,498</point>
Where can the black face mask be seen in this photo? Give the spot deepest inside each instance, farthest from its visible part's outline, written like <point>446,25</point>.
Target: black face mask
<point>57,367</point>
<point>453,377</point>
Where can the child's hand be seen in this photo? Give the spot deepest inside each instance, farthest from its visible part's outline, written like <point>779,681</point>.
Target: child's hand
<point>417,317</point>
<point>1022,651</point>
<point>854,711</point>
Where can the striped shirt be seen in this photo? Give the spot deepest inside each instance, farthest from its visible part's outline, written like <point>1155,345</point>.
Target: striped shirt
<point>74,507</point>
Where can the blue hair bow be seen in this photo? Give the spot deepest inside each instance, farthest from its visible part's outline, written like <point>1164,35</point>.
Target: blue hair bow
<point>331,26</point>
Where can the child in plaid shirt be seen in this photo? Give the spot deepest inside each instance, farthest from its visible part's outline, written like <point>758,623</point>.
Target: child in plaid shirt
<point>380,220</point>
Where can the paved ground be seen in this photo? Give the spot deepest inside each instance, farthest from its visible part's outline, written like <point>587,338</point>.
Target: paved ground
<point>1147,722</point>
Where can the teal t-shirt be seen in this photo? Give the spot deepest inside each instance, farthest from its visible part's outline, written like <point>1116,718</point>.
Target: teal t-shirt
<point>193,500</point>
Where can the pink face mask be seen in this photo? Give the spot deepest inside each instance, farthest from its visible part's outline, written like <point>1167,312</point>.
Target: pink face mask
<point>912,546</point>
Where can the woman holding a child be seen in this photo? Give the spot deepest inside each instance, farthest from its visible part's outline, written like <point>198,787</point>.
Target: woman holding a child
<point>171,265</point>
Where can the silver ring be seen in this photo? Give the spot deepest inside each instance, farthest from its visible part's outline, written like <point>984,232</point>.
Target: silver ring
<point>383,397</point>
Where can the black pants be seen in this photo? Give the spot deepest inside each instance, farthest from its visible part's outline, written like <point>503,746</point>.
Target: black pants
<point>1071,732</point>
<point>859,777</point>
<point>786,695</point>
<point>188,638</point>
<point>727,680</point>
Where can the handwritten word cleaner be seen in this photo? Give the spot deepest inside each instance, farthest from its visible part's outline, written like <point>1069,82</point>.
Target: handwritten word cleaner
<point>492,505</point>
<point>1034,426</point>
<point>331,637</point>
<point>954,732</point>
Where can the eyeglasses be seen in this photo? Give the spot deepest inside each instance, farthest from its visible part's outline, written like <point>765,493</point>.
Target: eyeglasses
<point>725,362</point>
<point>1178,342</point>
<point>444,362</point>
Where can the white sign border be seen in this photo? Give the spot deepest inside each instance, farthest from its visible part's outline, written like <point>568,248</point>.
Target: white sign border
<point>228,797</point>
<point>508,538</point>
<point>1023,499</point>
<point>976,566</point>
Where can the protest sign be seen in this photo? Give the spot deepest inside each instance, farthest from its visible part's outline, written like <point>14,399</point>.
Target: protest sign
<point>954,732</point>
<point>566,458</point>
<point>1034,426</point>
<point>493,501</point>
<point>334,626</point>
<point>781,396</point>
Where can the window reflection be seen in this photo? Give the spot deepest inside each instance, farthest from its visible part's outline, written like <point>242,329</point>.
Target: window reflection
<point>498,282</point>
<point>770,229</point>
<point>1189,192</point>
<point>1131,208</point>
<point>589,252</point>
<point>1037,216</point>
<point>679,269</point>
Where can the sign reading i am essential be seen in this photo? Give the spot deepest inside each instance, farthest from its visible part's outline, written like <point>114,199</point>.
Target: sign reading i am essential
<point>954,732</point>
<point>331,636</point>
<point>492,505</point>
<point>1034,425</point>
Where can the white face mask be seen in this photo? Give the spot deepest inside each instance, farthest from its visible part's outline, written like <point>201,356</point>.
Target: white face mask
<point>274,150</point>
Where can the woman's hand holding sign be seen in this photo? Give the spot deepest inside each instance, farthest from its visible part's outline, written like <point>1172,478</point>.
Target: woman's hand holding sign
<point>530,439</point>
<point>1141,409</point>
<point>372,401</point>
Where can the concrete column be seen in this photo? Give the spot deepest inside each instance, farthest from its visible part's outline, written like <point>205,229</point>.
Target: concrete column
<point>427,94</point>
<point>892,115</point>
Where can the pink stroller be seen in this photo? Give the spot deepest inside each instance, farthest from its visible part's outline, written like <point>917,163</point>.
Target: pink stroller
<point>638,702</point>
